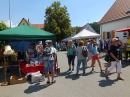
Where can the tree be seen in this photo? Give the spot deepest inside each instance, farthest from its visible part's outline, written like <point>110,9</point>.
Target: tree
<point>57,21</point>
<point>2,27</point>
<point>76,28</point>
<point>95,26</point>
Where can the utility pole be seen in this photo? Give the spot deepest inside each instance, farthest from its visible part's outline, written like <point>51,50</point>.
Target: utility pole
<point>9,14</point>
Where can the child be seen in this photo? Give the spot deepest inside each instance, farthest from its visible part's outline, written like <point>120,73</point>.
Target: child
<point>95,56</point>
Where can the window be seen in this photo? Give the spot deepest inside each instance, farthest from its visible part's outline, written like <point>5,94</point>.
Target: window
<point>108,35</point>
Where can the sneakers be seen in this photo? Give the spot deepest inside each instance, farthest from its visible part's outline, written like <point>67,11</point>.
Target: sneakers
<point>70,70</point>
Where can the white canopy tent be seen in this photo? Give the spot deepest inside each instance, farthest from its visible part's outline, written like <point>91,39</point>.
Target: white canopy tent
<point>85,34</point>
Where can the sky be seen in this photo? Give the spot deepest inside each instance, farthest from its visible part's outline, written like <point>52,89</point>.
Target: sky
<point>80,12</point>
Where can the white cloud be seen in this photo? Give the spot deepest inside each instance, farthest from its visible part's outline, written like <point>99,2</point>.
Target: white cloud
<point>12,25</point>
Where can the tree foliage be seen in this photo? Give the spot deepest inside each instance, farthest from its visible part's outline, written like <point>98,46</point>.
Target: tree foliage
<point>76,28</point>
<point>57,21</point>
<point>95,26</point>
<point>2,27</point>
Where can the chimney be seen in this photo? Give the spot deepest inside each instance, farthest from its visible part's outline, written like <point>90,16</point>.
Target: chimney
<point>28,19</point>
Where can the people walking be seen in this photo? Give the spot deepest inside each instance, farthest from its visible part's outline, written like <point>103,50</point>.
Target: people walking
<point>116,57</point>
<point>95,56</point>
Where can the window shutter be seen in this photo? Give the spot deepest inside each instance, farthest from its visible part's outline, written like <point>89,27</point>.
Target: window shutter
<point>113,34</point>
<point>104,35</point>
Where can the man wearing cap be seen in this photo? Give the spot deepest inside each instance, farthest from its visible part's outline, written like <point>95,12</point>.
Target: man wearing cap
<point>49,60</point>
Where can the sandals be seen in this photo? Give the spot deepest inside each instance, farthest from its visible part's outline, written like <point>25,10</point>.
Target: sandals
<point>48,82</point>
<point>53,81</point>
<point>119,78</point>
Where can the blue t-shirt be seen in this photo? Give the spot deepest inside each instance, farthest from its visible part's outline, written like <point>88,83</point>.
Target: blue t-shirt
<point>89,46</point>
<point>95,51</point>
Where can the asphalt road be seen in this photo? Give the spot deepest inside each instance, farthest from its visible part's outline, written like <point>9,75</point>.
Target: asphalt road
<point>68,85</point>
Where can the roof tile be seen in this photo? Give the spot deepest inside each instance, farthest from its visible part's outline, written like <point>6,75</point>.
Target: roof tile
<point>117,11</point>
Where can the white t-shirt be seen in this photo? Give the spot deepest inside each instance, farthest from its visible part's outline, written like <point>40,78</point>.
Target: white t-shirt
<point>31,51</point>
<point>51,57</point>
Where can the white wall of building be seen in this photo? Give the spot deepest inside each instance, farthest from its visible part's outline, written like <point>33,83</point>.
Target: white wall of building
<point>116,25</point>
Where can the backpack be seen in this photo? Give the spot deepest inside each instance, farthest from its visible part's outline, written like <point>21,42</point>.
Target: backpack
<point>47,52</point>
<point>85,51</point>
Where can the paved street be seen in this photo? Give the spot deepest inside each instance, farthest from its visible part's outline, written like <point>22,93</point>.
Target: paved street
<point>69,85</point>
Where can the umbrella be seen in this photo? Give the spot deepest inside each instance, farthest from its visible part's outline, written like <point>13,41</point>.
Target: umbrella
<point>123,29</point>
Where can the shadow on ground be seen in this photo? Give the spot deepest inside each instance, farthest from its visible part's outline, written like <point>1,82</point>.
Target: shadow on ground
<point>35,88</point>
<point>73,76</point>
<point>68,75</point>
<point>107,82</point>
<point>125,63</point>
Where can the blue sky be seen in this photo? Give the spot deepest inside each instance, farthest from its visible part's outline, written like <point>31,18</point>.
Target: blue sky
<point>80,11</point>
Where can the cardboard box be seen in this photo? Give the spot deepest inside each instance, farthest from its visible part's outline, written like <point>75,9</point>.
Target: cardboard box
<point>17,80</point>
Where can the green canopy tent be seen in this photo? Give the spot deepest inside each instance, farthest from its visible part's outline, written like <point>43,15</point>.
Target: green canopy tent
<point>26,32</point>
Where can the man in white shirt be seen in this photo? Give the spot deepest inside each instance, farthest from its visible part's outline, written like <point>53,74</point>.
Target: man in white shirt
<point>49,56</point>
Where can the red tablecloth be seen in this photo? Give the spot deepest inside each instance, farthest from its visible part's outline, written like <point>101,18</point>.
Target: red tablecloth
<point>27,69</point>
<point>39,67</point>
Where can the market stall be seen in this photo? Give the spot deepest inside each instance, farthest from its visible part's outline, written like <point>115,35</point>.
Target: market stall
<point>27,33</point>
<point>85,34</point>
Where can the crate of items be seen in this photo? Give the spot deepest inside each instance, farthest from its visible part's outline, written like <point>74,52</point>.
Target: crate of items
<point>17,80</point>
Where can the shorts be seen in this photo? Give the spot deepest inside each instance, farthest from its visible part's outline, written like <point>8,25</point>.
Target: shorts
<point>89,55</point>
<point>95,57</point>
<point>48,64</point>
<point>71,59</point>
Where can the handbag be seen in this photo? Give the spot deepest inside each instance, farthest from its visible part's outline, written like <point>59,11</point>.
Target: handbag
<point>74,53</point>
<point>107,58</point>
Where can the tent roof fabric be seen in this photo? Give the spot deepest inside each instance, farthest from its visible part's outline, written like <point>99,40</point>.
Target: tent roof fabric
<point>25,32</point>
<point>86,34</point>
<point>66,39</point>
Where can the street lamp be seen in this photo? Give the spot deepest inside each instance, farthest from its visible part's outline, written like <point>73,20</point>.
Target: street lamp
<point>7,52</point>
<point>9,14</point>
